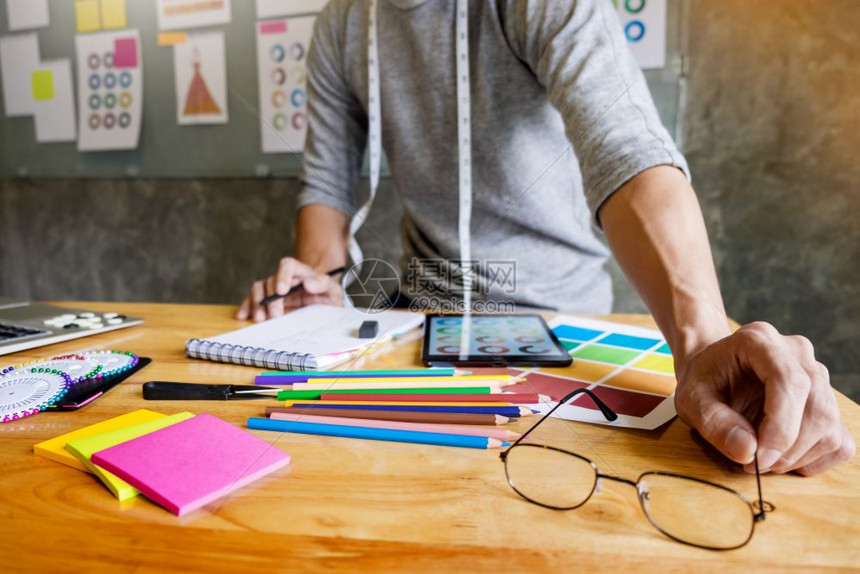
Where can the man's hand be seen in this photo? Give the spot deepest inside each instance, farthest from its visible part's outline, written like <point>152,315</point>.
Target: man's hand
<point>758,383</point>
<point>316,288</point>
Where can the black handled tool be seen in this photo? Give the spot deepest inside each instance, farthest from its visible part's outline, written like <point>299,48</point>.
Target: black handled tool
<point>168,391</point>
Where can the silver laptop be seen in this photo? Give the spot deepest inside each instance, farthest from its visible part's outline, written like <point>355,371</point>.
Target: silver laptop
<point>26,325</point>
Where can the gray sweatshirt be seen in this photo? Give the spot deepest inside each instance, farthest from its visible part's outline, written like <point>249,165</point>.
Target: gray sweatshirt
<point>561,118</point>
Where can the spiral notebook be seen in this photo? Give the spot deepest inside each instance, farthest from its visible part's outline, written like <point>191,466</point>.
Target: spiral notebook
<point>311,338</point>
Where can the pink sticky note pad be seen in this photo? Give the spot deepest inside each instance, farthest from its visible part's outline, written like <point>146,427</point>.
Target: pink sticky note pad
<point>191,463</point>
<point>125,53</point>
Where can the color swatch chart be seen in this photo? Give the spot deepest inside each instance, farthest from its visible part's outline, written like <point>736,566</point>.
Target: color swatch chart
<point>110,77</point>
<point>631,369</point>
<point>282,47</point>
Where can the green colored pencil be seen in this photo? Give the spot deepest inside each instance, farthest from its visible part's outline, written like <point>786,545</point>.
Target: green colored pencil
<point>299,395</point>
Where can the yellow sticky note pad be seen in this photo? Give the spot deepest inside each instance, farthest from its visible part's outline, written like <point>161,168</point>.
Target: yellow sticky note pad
<point>43,85</point>
<point>84,448</point>
<point>87,15</point>
<point>114,14</point>
<point>55,448</point>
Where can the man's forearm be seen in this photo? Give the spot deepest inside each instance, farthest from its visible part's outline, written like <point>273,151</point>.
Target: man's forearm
<point>655,229</point>
<point>322,237</point>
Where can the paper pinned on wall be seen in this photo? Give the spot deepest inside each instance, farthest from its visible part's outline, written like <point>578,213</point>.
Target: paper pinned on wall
<point>27,14</point>
<point>19,58</point>
<point>281,60</point>
<point>644,23</point>
<point>276,8</point>
<point>54,102</point>
<point>201,79</point>
<point>110,93</point>
<point>181,14</point>
<point>87,16</point>
<point>114,14</point>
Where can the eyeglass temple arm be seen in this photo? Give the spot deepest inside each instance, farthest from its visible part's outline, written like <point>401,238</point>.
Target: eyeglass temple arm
<point>760,515</point>
<point>607,412</point>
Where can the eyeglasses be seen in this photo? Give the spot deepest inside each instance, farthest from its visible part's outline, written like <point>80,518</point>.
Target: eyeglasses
<point>684,508</point>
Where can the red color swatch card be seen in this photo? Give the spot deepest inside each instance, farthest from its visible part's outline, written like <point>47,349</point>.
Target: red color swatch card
<point>189,464</point>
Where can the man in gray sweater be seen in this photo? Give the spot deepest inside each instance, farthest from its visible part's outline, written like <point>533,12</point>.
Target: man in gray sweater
<point>564,135</point>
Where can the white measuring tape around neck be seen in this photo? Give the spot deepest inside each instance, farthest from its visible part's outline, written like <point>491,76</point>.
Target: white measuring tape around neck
<point>464,142</point>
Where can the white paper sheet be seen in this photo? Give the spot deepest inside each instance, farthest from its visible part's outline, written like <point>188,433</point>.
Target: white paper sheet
<point>182,14</point>
<point>644,23</point>
<point>110,90</point>
<point>55,116</point>
<point>275,8</point>
<point>19,56</point>
<point>201,79</point>
<point>27,14</point>
<point>282,47</point>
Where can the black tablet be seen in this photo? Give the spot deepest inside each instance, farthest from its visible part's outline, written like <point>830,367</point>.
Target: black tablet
<point>491,340</point>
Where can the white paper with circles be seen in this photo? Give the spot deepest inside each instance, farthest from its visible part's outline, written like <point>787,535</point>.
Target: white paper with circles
<point>282,49</point>
<point>110,94</point>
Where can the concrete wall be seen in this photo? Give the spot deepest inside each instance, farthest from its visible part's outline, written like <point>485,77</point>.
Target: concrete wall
<point>772,134</point>
<point>770,129</point>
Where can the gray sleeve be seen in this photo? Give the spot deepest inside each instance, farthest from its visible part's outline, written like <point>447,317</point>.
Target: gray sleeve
<point>577,50</point>
<point>337,132</point>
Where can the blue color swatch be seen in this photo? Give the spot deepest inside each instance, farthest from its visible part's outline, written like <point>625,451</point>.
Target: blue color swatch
<point>628,342</point>
<point>575,333</point>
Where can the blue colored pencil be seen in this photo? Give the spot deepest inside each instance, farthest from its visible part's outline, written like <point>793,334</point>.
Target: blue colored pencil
<point>503,411</point>
<point>417,437</point>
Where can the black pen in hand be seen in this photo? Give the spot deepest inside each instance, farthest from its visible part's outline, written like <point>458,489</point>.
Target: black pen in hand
<point>275,297</point>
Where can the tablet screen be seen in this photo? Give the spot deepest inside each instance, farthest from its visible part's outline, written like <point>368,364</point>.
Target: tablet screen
<point>492,340</point>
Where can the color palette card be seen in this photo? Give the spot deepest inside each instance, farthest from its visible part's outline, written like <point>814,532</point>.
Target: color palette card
<point>187,465</point>
<point>110,90</point>
<point>55,448</point>
<point>631,369</point>
<point>83,450</point>
<point>282,47</point>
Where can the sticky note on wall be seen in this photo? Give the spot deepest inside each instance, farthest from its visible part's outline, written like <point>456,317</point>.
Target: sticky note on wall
<point>43,85</point>
<point>125,53</point>
<point>114,14</point>
<point>87,15</point>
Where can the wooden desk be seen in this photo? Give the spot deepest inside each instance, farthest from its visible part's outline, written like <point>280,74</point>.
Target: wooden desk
<point>352,505</point>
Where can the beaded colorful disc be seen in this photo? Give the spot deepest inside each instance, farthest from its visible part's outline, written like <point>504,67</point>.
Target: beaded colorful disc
<point>25,392</point>
<point>78,367</point>
<point>113,362</point>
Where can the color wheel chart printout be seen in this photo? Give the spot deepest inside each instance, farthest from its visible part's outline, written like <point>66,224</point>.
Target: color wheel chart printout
<point>110,94</point>
<point>631,369</point>
<point>282,47</point>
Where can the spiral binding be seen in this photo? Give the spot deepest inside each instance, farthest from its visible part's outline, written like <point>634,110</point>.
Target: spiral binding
<point>249,356</point>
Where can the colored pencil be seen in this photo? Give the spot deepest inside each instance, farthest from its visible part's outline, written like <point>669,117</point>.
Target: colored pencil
<point>375,434</point>
<point>341,400</point>
<point>472,380</point>
<point>289,377</point>
<point>516,398</point>
<point>496,386</point>
<point>500,434</point>
<point>288,394</point>
<point>504,411</point>
<point>404,416</point>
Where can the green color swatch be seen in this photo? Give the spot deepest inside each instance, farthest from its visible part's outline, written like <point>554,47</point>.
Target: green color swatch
<point>605,354</point>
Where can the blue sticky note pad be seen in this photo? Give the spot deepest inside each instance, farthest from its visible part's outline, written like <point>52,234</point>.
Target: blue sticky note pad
<point>575,333</point>
<point>664,349</point>
<point>628,341</point>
